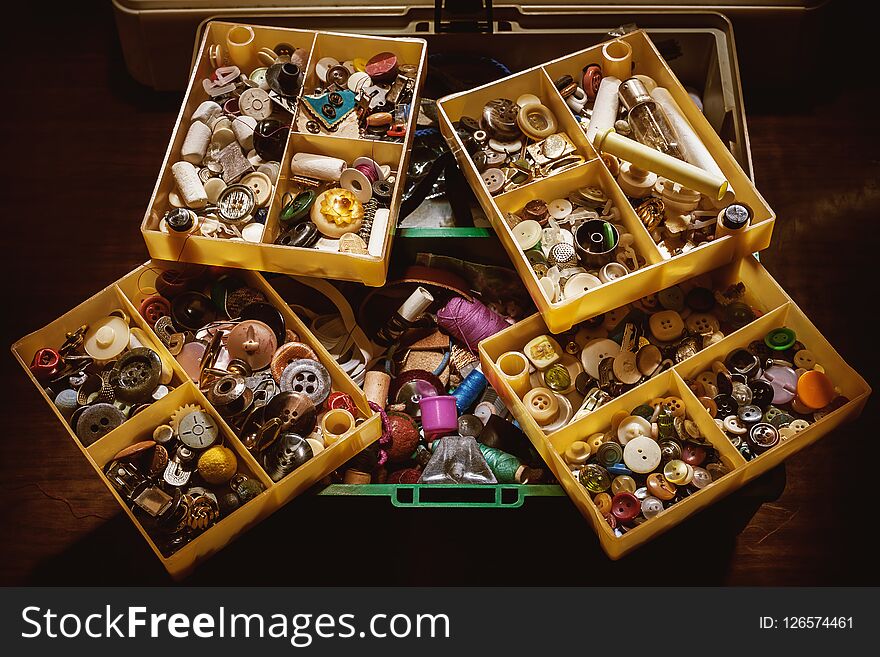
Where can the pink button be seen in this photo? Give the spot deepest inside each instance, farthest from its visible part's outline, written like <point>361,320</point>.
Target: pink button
<point>784,381</point>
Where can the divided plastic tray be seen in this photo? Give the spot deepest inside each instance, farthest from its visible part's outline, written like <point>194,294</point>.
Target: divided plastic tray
<point>658,272</point>
<point>126,294</point>
<point>763,293</point>
<point>266,256</point>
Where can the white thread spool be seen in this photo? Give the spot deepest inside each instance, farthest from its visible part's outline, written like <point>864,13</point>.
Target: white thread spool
<point>243,127</point>
<point>377,232</point>
<point>320,167</point>
<point>195,144</point>
<point>191,189</point>
<point>605,107</point>
<point>207,112</point>
<point>697,153</point>
<point>357,183</point>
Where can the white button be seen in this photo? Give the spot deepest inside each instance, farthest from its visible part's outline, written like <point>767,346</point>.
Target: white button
<point>358,81</point>
<point>565,413</point>
<point>255,103</point>
<point>580,283</point>
<point>261,186</point>
<point>508,147</point>
<point>550,287</point>
<point>632,427</point>
<point>253,233</point>
<point>323,65</point>
<point>213,188</point>
<point>528,99</point>
<point>612,271</point>
<point>702,478</point>
<point>733,425</point>
<point>595,352</point>
<point>798,425</point>
<point>805,359</point>
<point>559,208</point>
<point>641,454</point>
<point>527,234</point>
<point>651,507</point>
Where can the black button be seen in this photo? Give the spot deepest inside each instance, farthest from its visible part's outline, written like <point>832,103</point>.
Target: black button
<point>726,404</point>
<point>192,310</point>
<point>304,234</point>
<point>762,393</point>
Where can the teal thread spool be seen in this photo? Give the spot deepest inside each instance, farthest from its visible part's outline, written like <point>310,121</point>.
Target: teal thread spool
<point>506,467</point>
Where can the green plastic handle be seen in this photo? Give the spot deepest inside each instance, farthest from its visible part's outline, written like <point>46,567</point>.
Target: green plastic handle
<point>433,496</point>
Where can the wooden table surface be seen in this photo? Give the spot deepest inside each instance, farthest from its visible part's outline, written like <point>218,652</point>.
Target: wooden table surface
<point>86,145</point>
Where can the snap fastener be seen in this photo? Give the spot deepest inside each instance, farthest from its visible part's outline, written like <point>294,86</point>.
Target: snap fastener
<point>308,377</point>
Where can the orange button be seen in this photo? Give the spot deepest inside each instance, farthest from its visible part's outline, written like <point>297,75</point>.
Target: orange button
<point>815,390</point>
<point>659,487</point>
<point>603,503</point>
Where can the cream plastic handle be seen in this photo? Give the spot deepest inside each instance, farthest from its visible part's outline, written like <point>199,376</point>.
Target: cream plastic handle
<point>664,165</point>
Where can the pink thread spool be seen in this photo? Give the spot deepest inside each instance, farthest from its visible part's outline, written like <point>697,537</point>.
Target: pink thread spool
<point>439,416</point>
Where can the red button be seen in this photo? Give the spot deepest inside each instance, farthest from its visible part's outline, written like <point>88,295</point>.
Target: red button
<point>154,308</point>
<point>382,67</point>
<point>341,400</point>
<point>693,454</point>
<point>625,506</point>
<point>611,520</point>
<point>396,131</point>
<point>45,364</point>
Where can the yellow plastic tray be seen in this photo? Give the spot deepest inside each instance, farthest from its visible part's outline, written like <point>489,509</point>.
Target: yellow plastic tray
<point>779,310</point>
<point>658,272</point>
<point>267,256</point>
<point>127,294</point>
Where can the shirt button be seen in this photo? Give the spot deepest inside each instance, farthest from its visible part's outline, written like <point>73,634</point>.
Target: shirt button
<point>642,454</point>
<point>676,472</point>
<point>595,352</point>
<point>805,359</point>
<point>709,404</point>
<point>660,487</point>
<point>603,503</point>
<point>672,298</point>
<point>260,184</point>
<point>763,436</point>
<point>693,454</point>
<point>633,427</point>
<point>726,405</point>
<point>494,181</point>
<point>798,425</point>
<point>666,325</point>
<point>749,414</point>
<point>526,233</point>
<point>594,478</point>
<point>815,390</point>
<point>651,507</point>
<point>735,426</point>
<point>542,405</point>
<point>625,506</point>
<point>762,393</point>
<point>623,484</point>
<point>702,478</point>
<point>609,454</point>
<point>674,405</point>
<point>702,323</point>
<point>559,208</point>
<point>780,339</point>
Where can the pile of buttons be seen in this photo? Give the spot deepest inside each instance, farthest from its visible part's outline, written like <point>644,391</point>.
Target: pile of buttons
<point>515,143</point>
<point>183,480</point>
<point>574,244</point>
<point>678,218</point>
<point>562,378</point>
<point>104,373</point>
<point>647,461</point>
<point>230,157</point>
<point>335,207</point>
<point>267,384</point>
<point>766,393</point>
<point>359,98</point>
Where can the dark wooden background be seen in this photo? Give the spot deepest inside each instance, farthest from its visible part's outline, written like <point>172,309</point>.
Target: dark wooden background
<point>82,150</point>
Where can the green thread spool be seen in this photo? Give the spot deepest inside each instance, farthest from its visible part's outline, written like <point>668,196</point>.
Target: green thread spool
<point>504,466</point>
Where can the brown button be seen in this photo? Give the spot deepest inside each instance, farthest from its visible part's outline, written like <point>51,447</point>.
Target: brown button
<point>674,405</point>
<point>295,410</point>
<point>379,119</point>
<point>536,209</point>
<point>603,503</point>
<point>693,454</point>
<point>253,342</point>
<point>659,487</point>
<point>132,450</point>
<point>287,353</point>
<point>709,405</point>
<point>494,179</point>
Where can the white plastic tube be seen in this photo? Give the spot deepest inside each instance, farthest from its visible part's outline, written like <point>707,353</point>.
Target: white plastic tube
<point>321,167</point>
<point>191,189</point>
<point>664,165</point>
<point>697,153</point>
<point>195,144</point>
<point>604,108</point>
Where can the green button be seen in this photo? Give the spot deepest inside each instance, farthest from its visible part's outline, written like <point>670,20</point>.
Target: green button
<point>557,378</point>
<point>594,478</point>
<point>298,208</point>
<point>609,453</point>
<point>672,298</point>
<point>738,314</point>
<point>780,339</point>
<point>644,411</point>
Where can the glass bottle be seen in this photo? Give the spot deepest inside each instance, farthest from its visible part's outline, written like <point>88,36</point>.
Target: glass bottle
<point>649,123</point>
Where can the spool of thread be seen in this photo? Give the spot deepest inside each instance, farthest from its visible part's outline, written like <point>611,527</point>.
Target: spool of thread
<point>354,477</point>
<point>376,386</point>
<point>695,149</point>
<point>408,313</point>
<point>439,415</point>
<point>189,184</point>
<point>469,390</point>
<point>335,424</point>
<point>663,165</point>
<point>514,368</point>
<point>490,404</point>
<point>240,46</point>
<point>508,437</point>
<point>320,167</point>
<point>617,59</point>
<point>469,322</point>
<point>243,127</point>
<point>195,144</point>
<point>377,234</point>
<point>207,113</point>
<point>506,467</point>
<point>605,107</point>
<point>359,180</point>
